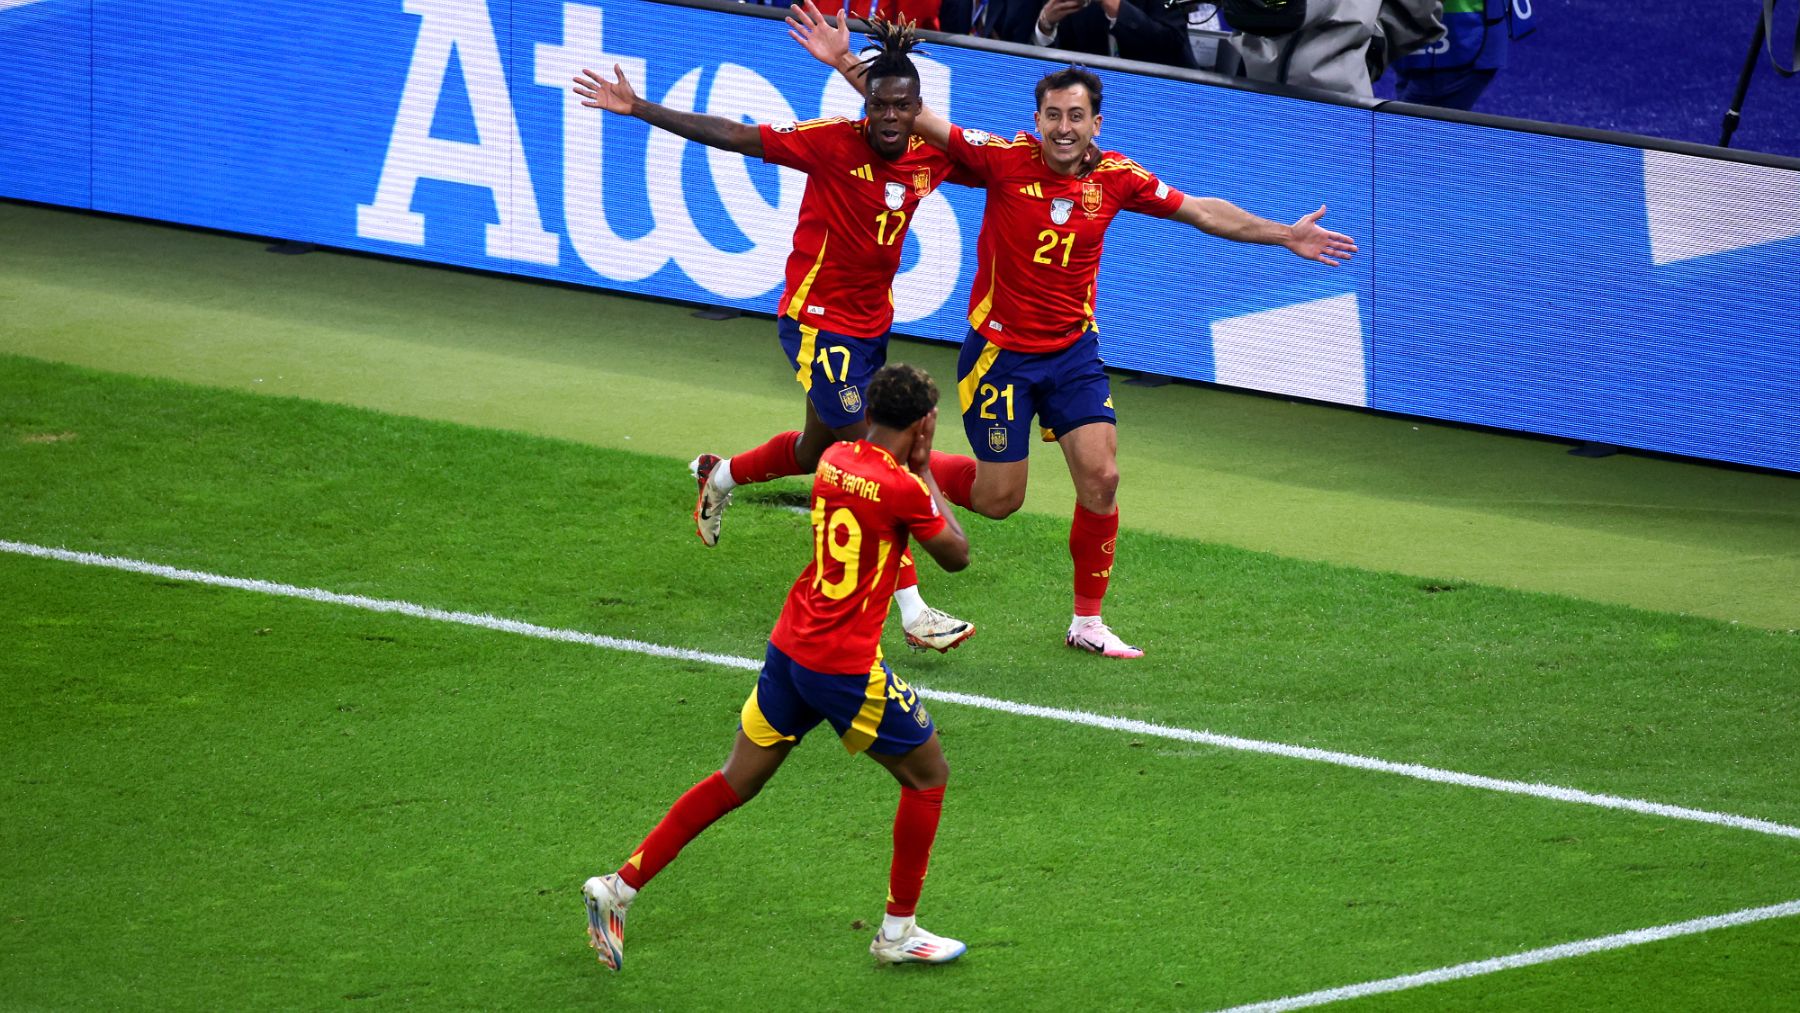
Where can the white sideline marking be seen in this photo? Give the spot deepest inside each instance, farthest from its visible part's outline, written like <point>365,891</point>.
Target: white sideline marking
<point>1412,770</point>
<point>1576,949</point>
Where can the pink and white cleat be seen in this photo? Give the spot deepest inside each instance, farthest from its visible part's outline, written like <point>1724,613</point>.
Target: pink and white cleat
<point>1094,635</point>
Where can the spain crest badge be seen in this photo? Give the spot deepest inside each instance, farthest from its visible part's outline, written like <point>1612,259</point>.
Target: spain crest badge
<point>997,439</point>
<point>851,399</point>
<point>922,182</point>
<point>1091,197</point>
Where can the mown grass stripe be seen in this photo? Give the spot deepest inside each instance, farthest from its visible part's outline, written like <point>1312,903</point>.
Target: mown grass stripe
<point>1412,770</point>
<point>1562,951</point>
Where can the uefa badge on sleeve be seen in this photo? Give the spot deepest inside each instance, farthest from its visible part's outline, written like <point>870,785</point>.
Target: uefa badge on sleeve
<point>851,399</point>
<point>997,439</point>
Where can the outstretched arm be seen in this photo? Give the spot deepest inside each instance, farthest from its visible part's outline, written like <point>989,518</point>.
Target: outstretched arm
<point>829,43</point>
<point>713,131</point>
<point>1304,238</point>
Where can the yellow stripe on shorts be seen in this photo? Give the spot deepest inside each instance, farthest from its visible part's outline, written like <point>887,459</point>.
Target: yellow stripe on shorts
<point>867,723</point>
<point>968,385</point>
<point>809,338</point>
<point>756,727</point>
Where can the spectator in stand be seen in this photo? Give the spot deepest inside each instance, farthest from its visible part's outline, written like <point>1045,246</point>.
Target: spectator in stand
<point>923,13</point>
<point>1142,30</point>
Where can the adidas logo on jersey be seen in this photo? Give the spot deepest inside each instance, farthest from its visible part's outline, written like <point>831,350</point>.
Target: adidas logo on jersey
<point>1032,189</point>
<point>863,172</point>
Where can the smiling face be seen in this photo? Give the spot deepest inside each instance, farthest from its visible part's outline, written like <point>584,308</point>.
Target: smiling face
<point>892,105</point>
<point>1067,122</point>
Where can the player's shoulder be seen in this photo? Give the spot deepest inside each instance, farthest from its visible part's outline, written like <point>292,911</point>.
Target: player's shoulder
<point>1113,163</point>
<point>975,137</point>
<point>817,127</point>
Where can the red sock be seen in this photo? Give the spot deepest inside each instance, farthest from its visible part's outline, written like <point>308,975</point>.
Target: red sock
<point>1091,538</point>
<point>693,812</point>
<point>915,827</point>
<point>955,475</point>
<point>909,574</point>
<point>772,460</point>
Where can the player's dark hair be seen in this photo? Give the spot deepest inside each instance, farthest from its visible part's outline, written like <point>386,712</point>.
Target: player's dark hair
<point>893,41</point>
<point>1068,77</point>
<point>900,395</point>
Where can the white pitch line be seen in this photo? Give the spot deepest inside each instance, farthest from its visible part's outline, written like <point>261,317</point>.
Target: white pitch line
<point>1145,728</point>
<point>1549,953</point>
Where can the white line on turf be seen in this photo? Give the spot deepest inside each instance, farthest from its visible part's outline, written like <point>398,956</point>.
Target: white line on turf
<point>1580,948</point>
<point>1145,728</point>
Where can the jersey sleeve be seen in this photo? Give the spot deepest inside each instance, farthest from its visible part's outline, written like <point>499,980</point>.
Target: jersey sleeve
<point>916,509</point>
<point>974,153</point>
<point>799,145</point>
<point>1151,196</point>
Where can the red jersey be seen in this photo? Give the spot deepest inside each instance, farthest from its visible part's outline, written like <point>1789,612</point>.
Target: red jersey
<point>1038,257</point>
<point>864,504</point>
<point>853,221</point>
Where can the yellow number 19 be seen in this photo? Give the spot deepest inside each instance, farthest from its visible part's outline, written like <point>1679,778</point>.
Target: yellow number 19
<point>825,542</point>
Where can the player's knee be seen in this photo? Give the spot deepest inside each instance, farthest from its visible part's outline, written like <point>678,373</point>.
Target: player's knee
<point>1000,505</point>
<point>1099,487</point>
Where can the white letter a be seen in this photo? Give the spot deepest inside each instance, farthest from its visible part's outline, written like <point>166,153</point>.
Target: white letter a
<point>496,162</point>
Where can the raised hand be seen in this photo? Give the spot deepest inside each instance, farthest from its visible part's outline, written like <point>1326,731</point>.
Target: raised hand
<point>920,458</point>
<point>598,93</point>
<point>1310,241</point>
<point>828,43</point>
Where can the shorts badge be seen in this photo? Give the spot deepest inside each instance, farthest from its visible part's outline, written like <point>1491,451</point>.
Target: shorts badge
<point>1090,197</point>
<point>922,182</point>
<point>851,399</point>
<point>997,439</point>
<point>895,194</point>
<point>1060,208</point>
<point>921,717</point>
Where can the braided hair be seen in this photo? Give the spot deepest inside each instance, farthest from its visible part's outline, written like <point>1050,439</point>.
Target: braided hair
<point>892,41</point>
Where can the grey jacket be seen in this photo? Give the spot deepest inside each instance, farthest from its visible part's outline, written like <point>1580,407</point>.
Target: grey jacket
<point>1343,45</point>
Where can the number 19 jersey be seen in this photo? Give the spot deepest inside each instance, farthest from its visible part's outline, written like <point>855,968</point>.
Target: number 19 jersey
<point>864,506</point>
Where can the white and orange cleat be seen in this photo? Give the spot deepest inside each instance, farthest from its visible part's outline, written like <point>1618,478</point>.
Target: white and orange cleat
<point>1094,635</point>
<point>915,946</point>
<point>709,508</point>
<point>937,630</point>
<point>606,918</point>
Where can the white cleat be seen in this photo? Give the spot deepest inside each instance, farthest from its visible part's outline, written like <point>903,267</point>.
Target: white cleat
<point>915,946</point>
<point>709,508</point>
<point>606,919</point>
<point>937,630</point>
<point>1095,636</point>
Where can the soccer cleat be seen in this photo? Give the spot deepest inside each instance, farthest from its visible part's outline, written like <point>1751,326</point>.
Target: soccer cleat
<point>709,508</point>
<point>606,919</point>
<point>915,946</point>
<point>1094,636</point>
<point>938,631</point>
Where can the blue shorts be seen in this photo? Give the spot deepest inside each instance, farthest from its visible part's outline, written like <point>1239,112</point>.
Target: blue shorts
<point>876,711</point>
<point>1001,390</point>
<point>833,369</point>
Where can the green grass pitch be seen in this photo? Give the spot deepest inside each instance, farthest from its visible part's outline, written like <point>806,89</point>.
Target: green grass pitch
<point>216,799</point>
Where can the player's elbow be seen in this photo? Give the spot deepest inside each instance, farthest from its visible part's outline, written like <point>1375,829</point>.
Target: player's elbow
<point>952,557</point>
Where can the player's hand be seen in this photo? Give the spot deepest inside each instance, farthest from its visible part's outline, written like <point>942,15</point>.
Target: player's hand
<point>1308,240</point>
<point>598,93</point>
<point>920,458</point>
<point>828,43</point>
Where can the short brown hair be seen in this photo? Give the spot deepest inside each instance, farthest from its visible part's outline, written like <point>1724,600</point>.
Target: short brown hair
<point>1068,77</point>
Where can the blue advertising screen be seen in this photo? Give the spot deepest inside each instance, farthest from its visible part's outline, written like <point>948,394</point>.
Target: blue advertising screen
<point>1572,288</point>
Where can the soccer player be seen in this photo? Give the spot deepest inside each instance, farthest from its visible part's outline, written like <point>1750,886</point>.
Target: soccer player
<point>1033,344</point>
<point>823,662</point>
<point>864,181</point>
